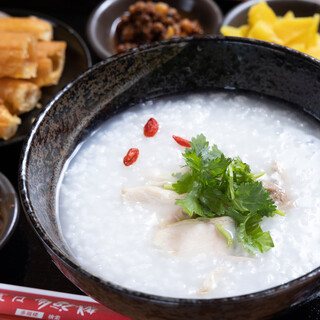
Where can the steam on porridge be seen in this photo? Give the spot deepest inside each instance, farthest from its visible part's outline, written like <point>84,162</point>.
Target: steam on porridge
<point>134,209</point>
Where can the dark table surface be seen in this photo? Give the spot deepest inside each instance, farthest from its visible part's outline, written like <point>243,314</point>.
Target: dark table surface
<point>23,260</point>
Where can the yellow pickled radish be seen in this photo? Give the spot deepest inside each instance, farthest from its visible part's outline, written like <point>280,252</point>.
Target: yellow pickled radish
<point>262,31</point>
<point>261,12</point>
<point>299,33</point>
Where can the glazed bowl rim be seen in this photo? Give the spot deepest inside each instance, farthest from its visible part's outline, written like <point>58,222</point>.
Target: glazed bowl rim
<point>54,249</point>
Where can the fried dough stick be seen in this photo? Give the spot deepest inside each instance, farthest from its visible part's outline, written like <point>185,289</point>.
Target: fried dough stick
<point>18,58</point>
<point>8,123</point>
<point>40,28</point>
<point>19,96</point>
<point>51,59</point>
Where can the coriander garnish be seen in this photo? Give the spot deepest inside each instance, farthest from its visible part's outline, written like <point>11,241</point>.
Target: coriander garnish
<point>220,186</point>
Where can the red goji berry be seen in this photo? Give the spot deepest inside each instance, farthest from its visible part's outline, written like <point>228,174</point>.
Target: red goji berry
<point>151,128</point>
<point>131,157</point>
<point>182,142</point>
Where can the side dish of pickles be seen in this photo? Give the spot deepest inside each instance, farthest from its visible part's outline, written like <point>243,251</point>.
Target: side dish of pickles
<point>300,33</point>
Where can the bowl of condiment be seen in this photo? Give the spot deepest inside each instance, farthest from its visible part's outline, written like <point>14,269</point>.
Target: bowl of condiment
<point>9,209</point>
<point>115,173</point>
<point>292,23</point>
<point>115,26</point>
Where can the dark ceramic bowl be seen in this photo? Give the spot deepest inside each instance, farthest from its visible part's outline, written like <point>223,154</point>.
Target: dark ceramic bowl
<point>103,20</point>
<point>9,209</point>
<point>301,8</point>
<point>116,84</point>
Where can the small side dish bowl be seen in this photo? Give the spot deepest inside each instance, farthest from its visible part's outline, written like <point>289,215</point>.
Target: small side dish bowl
<point>9,209</point>
<point>103,21</point>
<point>301,8</point>
<point>177,66</point>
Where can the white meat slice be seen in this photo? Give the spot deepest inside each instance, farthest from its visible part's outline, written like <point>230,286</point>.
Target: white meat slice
<point>194,236</point>
<point>276,184</point>
<point>150,195</point>
<point>158,177</point>
<point>161,200</point>
<point>210,282</point>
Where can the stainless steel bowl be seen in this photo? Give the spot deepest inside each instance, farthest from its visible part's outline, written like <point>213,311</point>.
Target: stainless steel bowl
<point>9,209</point>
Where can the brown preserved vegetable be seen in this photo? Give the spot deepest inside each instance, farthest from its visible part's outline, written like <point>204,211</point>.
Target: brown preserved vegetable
<point>146,22</point>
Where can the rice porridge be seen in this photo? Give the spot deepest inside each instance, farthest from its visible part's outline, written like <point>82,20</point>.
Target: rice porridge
<point>117,221</point>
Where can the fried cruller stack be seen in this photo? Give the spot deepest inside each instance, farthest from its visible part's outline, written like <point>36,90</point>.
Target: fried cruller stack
<point>29,60</point>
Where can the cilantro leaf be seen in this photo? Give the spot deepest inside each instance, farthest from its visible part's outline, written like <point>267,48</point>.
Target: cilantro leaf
<point>191,204</point>
<point>184,184</point>
<point>251,235</point>
<point>216,185</point>
<point>214,200</point>
<point>225,233</point>
<point>199,145</point>
<point>253,197</point>
<point>193,161</point>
